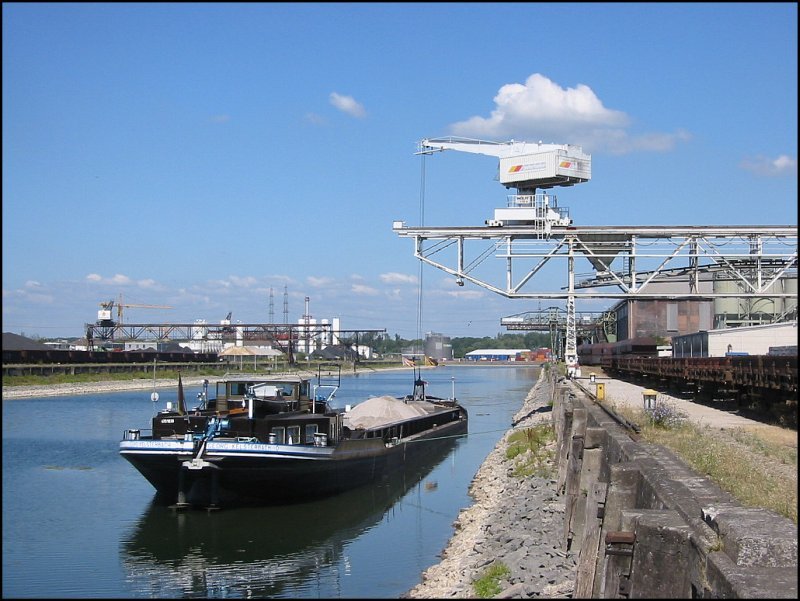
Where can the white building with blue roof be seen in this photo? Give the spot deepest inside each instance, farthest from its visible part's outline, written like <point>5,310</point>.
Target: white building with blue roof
<point>498,354</point>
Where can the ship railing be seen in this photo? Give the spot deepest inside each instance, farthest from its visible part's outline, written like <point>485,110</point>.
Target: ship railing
<point>539,200</point>
<point>323,393</point>
<point>136,434</point>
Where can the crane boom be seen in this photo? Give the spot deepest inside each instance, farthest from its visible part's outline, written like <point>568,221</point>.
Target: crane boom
<point>104,315</point>
<point>487,147</point>
<point>512,148</point>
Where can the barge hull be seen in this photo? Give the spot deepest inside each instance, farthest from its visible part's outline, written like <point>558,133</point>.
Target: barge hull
<point>288,473</point>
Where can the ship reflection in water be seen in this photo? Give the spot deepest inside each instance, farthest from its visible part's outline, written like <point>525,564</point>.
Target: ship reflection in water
<point>296,550</point>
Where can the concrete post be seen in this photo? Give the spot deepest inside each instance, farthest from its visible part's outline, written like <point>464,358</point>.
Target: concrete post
<point>587,558</point>
<point>661,556</point>
<point>573,476</point>
<point>622,491</point>
<point>589,476</point>
<point>564,440</point>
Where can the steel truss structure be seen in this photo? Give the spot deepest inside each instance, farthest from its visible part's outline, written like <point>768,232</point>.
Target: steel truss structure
<point>285,336</point>
<point>634,261</point>
<point>595,326</point>
<point>189,331</point>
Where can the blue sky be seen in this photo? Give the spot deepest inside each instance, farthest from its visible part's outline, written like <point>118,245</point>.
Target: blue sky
<point>200,155</point>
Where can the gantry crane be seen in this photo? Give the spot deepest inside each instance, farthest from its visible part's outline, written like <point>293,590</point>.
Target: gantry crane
<point>528,167</point>
<point>104,314</point>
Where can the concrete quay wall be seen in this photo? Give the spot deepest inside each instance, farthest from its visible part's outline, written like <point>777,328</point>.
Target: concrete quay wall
<point>644,525</point>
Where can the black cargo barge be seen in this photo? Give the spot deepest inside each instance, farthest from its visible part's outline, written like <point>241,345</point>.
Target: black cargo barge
<point>275,439</point>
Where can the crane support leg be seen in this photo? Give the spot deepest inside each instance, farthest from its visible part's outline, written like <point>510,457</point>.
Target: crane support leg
<point>571,343</point>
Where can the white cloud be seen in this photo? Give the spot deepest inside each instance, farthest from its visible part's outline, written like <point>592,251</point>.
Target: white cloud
<point>315,119</point>
<point>468,294</point>
<point>120,279</point>
<point>398,278</point>
<point>659,142</point>
<point>347,104</point>
<point>764,166</point>
<point>362,289</point>
<point>32,292</point>
<point>220,118</point>
<point>540,109</point>
<point>282,279</point>
<point>243,282</point>
<point>316,282</point>
<point>39,298</point>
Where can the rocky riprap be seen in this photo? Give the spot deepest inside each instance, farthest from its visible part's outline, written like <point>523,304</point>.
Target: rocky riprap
<point>518,522</point>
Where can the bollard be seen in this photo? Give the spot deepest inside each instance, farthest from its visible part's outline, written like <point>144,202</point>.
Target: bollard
<point>649,398</point>
<point>600,391</point>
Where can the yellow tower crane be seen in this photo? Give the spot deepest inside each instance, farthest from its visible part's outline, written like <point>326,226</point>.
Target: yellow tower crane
<point>105,314</point>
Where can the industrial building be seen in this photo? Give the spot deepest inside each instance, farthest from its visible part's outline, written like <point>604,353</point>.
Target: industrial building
<point>502,354</point>
<point>713,327</point>
<point>637,318</point>
<point>438,347</point>
<point>745,340</point>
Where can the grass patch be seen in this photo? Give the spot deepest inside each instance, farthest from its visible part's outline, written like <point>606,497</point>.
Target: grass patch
<point>488,584</point>
<point>528,449</point>
<point>769,442</point>
<point>758,467</point>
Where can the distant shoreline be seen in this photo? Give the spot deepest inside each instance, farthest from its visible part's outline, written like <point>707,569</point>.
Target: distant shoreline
<point>78,388</point>
<point>144,384</point>
<point>73,389</point>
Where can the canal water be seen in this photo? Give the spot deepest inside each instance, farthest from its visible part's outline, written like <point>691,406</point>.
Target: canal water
<point>80,522</point>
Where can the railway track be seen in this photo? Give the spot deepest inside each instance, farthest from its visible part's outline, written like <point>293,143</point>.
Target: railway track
<point>765,386</point>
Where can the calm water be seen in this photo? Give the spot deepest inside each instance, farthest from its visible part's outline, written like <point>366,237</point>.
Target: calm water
<point>79,521</point>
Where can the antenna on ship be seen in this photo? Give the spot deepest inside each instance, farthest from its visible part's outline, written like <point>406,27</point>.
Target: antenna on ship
<point>181,397</point>
<point>154,395</point>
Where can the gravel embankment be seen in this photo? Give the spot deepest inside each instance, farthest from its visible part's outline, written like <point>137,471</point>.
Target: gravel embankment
<point>517,522</point>
<point>145,384</point>
<point>25,392</point>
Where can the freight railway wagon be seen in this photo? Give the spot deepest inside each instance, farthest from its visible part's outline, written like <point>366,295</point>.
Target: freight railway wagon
<point>11,357</point>
<point>601,353</point>
<point>765,382</point>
